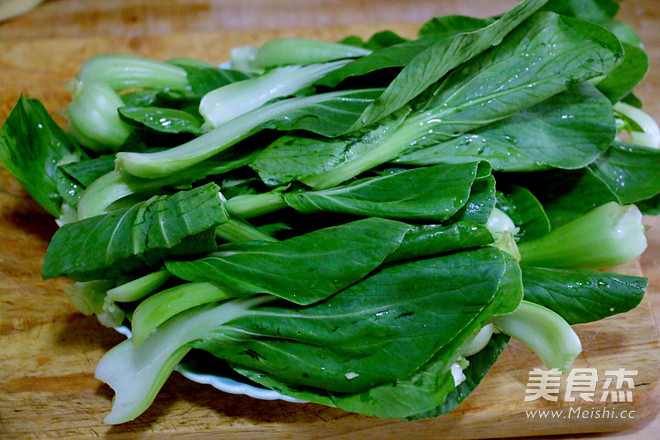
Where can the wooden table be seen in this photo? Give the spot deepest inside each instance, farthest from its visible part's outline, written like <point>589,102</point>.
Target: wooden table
<point>131,20</point>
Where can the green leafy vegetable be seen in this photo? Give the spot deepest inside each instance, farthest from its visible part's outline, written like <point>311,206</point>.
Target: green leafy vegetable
<point>569,131</point>
<point>623,78</point>
<point>472,97</point>
<point>431,194</point>
<point>582,296</point>
<point>629,171</point>
<point>361,224</point>
<point>526,212</point>
<point>438,59</point>
<point>154,165</point>
<point>163,119</point>
<point>31,147</point>
<point>331,259</point>
<point>123,241</point>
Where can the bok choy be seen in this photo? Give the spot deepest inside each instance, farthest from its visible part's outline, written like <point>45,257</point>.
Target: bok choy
<point>361,224</point>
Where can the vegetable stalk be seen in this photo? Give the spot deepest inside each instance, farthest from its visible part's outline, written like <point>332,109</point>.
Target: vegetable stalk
<point>606,236</point>
<point>545,332</point>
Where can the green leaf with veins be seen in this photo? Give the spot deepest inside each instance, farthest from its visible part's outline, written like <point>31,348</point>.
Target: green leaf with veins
<point>163,120</point>
<point>31,147</point>
<point>580,295</point>
<point>298,155</point>
<point>568,130</point>
<point>542,57</point>
<point>435,61</point>
<point>624,77</point>
<point>450,25</point>
<point>427,194</point>
<point>136,238</point>
<point>327,260</point>
<point>342,349</point>
<point>629,171</point>
<point>428,386</point>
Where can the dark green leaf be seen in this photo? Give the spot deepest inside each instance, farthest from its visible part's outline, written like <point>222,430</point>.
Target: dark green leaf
<point>450,25</point>
<point>566,195</point>
<point>160,98</point>
<point>342,349</point>
<point>434,62</point>
<point>69,190</point>
<point>394,56</point>
<point>205,79</point>
<point>31,147</point>
<point>624,33</point>
<point>481,202</point>
<point>526,212</point>
<point>582,296</point>
<point>568,130</point>
<point>633,100</point>
<point>295,156</point>
<point>329,117</point>
<point>379,40</point>
<point>597,11</point>
<point>323,261</point>
<point>650,206</point>
<point>383,39</point>
<point>543,57</point>
<point>428,240</point>
<point>142,236</point>
<point>479,365</point>
<point>629,171</point>
<point>86,171</point>
<point>165,120</point>
<point>428,194</point>
<point>626,75</point>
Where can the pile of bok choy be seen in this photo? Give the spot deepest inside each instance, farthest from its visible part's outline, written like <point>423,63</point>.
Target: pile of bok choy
<point>361,224</point>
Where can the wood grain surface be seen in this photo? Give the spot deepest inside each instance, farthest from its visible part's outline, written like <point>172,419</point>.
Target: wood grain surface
<point>49,351</point>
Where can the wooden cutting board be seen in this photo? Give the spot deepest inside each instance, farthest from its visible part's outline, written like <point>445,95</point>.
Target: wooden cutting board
<point>48,351</point>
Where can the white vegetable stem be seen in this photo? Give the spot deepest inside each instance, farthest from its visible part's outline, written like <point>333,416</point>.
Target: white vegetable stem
<point>94,120</point>
<point>163,163</point>
<point>137,373</point>
<point>281,51</point>
<point>650,137</point>
<point>543,331</point>
<point>604,237</point>
<point>227,102</point>
<point>503,231</point>
<point>123,72</point>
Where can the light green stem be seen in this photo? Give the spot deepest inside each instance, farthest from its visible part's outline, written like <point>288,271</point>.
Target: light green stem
<point>139,287</point>
<point>155,165</point>
<point>390,147</point>
<point>235,230</point>
<point>254,205</point>
<point>544,332</point>
<point>604,237</point>
<point>137,373</point>
<point>158,308</point>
